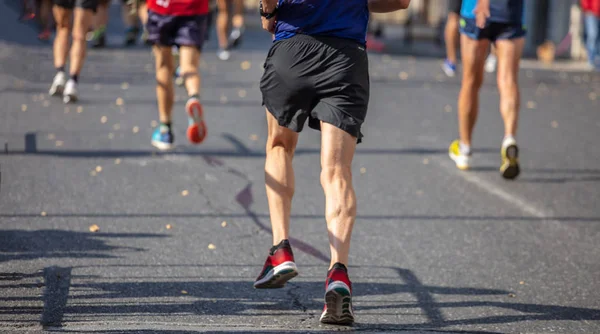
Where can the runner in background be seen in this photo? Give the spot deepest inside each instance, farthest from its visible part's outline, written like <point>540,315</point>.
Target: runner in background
<point>484,22</point>
<point>227,42</point>
<point>179,24</point>
<point>451,37</point>
<point>212,7</point>
<point>73,19</point>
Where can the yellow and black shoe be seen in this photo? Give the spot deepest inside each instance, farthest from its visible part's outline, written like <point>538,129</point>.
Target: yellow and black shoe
<point>510,161</point>
<point>462,161</point>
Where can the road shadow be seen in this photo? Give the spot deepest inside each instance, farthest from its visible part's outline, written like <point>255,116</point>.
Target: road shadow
<point>37,244</point>
<point>299,300</point>
<point>549,175</point>
<point>239,150</point>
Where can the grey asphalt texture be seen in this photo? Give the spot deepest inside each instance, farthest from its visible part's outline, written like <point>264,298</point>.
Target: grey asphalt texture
<point>434,250</point>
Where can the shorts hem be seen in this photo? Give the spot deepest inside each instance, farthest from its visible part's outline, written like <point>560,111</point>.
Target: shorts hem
<point>288,124</point>
<point>353,130</point>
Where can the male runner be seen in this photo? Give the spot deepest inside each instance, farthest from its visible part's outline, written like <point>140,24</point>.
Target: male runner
<point>451,37</point>
<point>237,26</point>
<point>177,23</point>
<point>483,22</point>
<point>317,69</point>
<point>78,27</point>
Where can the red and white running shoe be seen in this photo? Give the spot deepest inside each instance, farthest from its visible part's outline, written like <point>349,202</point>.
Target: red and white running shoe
<point>278,269</point>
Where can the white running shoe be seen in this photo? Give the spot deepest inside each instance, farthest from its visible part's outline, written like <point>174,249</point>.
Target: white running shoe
<point>224,55</point>
<point>490,63</point>
<point>58,84</point>
<point>70,91</point>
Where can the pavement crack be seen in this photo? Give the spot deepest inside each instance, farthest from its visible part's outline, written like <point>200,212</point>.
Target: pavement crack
<point>294,295</point>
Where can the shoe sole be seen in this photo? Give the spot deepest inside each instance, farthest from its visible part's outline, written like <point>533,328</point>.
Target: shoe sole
<point>162,146</point>
<point>448,72</point>
<point>196,131</point>
<point>56,90</point>
<point>339,305</point>
<point>278,276</point>
<point>459,165</point>
<point>236,42</point>
<point>489,68</point>
<point>510,167</point>
<point>69,99</point>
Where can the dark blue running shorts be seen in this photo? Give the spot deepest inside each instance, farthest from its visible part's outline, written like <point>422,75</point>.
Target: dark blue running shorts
<point>169,30</point>
<point>493,31</point>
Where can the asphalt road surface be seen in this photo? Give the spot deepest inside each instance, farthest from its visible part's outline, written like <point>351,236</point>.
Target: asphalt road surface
<point>182,235</point>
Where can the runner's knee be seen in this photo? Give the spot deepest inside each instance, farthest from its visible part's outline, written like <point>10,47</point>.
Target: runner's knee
<point>63,24</point>
<point>78,36</point>
<point>338,176</point>
<point>472,81</point>
<point>282,138</point>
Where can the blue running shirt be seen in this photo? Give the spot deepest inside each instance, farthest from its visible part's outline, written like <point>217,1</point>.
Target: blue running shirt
<point>335,18</point>
<point>501,11</point>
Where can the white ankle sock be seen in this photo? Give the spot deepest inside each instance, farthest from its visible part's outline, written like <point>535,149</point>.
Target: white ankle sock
<point>464,149</point>
<point>508,140</point>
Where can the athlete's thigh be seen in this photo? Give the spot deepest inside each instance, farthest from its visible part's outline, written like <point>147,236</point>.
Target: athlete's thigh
<point>239,7</point>
<point>509,52</point>
<point>163,56</point>
<point>90,5</point>
<point>473,53</point>
<point>337,146</point>
<point>189,58</point>
<point>82,20</point>
<point>62,16</point>
<point>223,6</point>
<point>282,134</point>
<point>64,4</point>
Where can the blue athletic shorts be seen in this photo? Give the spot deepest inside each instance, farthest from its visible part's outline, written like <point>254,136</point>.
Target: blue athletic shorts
<point>169,30</point>
<point>493,30</point>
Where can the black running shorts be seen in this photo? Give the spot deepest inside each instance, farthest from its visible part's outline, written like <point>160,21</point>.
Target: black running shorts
<point>319,79</point>
<point>70,4</point>
<point>454,6</point>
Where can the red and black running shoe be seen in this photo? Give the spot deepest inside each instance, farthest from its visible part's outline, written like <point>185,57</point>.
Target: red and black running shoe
<point>338,297</point>
<point>279,267</point>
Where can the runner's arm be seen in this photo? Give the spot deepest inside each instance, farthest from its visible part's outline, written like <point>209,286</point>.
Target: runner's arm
<point>269,5</point>
<point>386,6</point>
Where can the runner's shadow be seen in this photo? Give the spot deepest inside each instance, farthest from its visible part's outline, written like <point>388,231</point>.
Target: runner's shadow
<point>30,245</point>
<point>237,300</point>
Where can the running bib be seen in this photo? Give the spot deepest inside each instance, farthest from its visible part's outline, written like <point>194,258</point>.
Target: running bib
<point>179,7</point>
<point>162,3</point>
